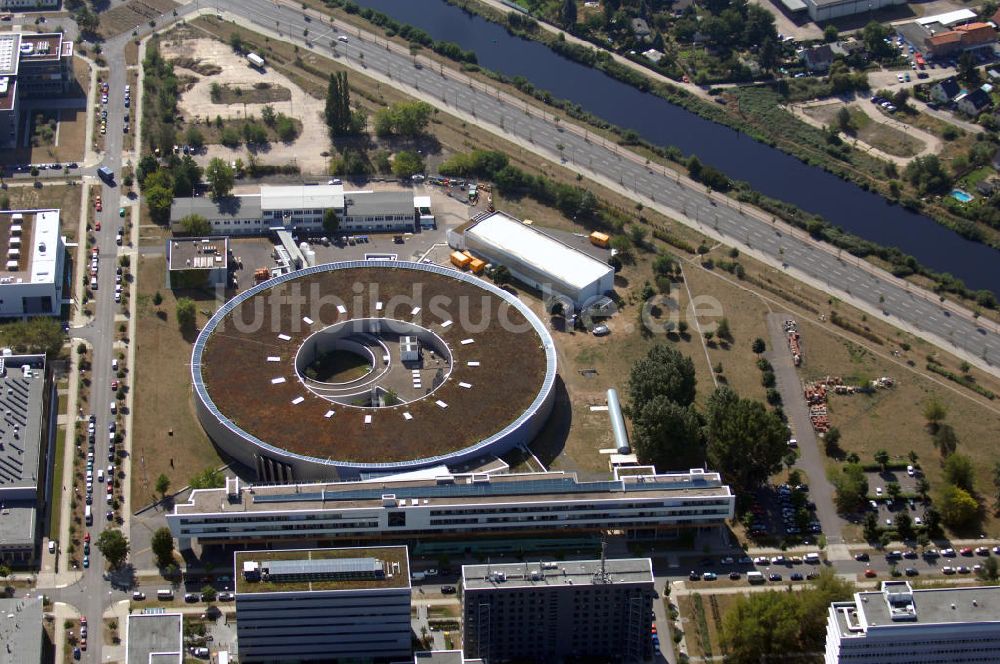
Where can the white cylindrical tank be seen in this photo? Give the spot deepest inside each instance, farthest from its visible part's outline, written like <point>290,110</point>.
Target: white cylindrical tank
<point>310,257</point>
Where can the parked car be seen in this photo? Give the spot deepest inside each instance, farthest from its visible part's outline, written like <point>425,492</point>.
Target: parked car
<point>138,596</point>
<point>448,590</point>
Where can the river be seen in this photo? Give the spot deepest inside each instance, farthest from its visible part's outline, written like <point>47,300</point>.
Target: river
<point>766,169</point>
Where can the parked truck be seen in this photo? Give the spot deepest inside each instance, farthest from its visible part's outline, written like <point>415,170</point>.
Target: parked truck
<point>106,174</point>
<point>255,61</point>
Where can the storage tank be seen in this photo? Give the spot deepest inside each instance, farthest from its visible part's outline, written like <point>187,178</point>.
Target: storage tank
<point>310,257</point>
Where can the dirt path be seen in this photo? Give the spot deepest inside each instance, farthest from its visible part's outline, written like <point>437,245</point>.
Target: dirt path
<point>197,101</point>
<point>932,144</point>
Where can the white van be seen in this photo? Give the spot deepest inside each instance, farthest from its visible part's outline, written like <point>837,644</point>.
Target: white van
<point>755,577</point>
<point>114,408</point>
<point>93,283</point>
<point>88,516</point>
<point>812,558</point>
<point>164,594</point>
<point>100,475</point>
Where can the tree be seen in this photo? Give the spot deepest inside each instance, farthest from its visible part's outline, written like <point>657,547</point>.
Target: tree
<point>844,121</point>
<point>210,478</point>
<point>338,105</point>
<point>746,442</point>
<point>208,593</point>
<point>194,138</point>
<point>758,346</point>
<point>778,625</point>
<point>870,529</point>
<point>236,42</point>
<point>958,509</point>
<point>723,331</point>
<point>960,471</point>
<point>874,35</point>
<point>268,115</point>
<point>230,137</point>
<point>904,525</point>
<point>114,546</point>
<point>159,200</point>
<point>567,14</point>
<point>852,488</point>
<point>831,441</point>
<point>934,413</point>
<point>331,222</point>
<point>162,545</point>
<point>186,314</point>
<point>406,119</point>
<point>221,178</point>
<point>187,175</point>
<point>285,128</point>
<point>157,299</point>
<point>894,491</point>
<point>195,225</point>
<point>830,33</point>
<point>501,275</point>
<point>406,164</point>
<point>664,371</point>
<point>162,485</point>
<point>945,440</point>
<point>967,69</point>
<point>989,571</point>
<point>996,485</point>
<point>668,435</point>
<point>881,458</point>
<point>923,488</point>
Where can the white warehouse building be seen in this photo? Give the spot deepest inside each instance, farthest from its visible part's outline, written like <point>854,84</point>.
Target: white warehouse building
<point>32,281</point>
<point>538,259</point>
<point>899,625</point>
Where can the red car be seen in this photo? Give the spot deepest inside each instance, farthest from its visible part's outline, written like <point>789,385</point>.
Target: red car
<point>86,538</point>
<point>114,386</point>
<point>97,226</point>
<point>967,551</point>
<point>870,573</point>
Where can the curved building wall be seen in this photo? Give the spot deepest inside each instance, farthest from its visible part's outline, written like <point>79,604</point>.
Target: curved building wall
<point>274,464</point>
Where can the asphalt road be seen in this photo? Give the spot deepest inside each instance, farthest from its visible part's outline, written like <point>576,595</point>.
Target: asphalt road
<point>847,277</point>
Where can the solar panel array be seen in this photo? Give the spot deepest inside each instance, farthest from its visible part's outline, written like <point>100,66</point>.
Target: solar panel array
<point>324,568</point>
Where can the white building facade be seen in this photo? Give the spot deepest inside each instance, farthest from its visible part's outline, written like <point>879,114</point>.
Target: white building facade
<point>32,283</point>
<point>899,625</point>
<point>641,503</point>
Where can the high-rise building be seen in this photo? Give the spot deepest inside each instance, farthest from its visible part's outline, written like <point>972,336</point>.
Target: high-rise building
<point>899,625</point>
<point>323,604</point>
<point>31,65</point>
<point>542,612</point>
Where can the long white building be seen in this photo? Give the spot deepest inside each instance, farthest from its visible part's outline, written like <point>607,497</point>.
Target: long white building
<point>899,625</point>
<point>323,604</point>
<point>538,259</point>
<point>637,500</point>
<point>301,208</point>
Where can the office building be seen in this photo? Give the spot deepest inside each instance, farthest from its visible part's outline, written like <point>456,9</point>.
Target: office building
<point>825,10</point>
<point>34,253</point>
<point>638,501</point>
<point>198,262</point>
<point>24,434</point>
<point>948,35</point>
<point>28,5</point>
<point>323,604</point>
<point>301,209</point>
<point>537,258</point>
<point>543,612</point>
<point>31,66</point>
<point>899,625</point>
<point>154,638</point>
<point>21,633</point>
<point>443,657</point>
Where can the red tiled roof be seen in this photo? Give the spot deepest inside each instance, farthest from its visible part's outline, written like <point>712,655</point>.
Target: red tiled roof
<point>944,38</point>
<point>976,33</point>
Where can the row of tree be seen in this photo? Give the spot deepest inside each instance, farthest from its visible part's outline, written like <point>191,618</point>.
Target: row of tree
<point>739,437</point>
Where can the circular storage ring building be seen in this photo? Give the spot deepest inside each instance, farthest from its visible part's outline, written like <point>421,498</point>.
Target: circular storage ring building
<point>371,367</point>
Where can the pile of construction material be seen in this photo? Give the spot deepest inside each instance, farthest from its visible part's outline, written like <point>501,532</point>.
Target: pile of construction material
<point>816,392</point>
<point>794,346</point>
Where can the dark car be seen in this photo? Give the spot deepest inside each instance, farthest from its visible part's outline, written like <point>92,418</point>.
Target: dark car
<point>694,576</point>
<point>191,598</point>
<point>734,576</point>
<point>448,590</point>
<point>910,571</point>
<point>861,557</point>
<point>774,577</point>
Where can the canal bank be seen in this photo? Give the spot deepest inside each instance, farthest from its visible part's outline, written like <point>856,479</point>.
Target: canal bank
<point>766,169</point>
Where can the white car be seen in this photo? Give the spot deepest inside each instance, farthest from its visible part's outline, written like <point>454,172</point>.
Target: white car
<point>878,491</point>
<point>601,330</point>
<point>911,471</point>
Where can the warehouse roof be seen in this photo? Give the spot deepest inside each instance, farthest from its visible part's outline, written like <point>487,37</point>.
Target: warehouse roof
<point>541,251</point>
<point>302,197</point>
<point>363,203</point>
<point>230,207</point>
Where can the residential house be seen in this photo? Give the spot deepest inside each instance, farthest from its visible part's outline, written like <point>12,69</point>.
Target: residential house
<point>973,103</point>
<point>945,91</point>
<point>641,28</point>
<point>817,58</point>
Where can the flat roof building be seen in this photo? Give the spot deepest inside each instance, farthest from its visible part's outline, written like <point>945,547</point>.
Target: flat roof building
<point>323,604</point>
<point>538,259</point>
<point>825,10</point>
<point>32,248</point>
<point>454,505</point>
<point>24,401</point>
<point>301,208</point>
<point>195,262</point>
<point>31,65</point>
<point>154,638</point>
<point>899,625</point>
<point>21,631</point>
<point>543,612</point>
